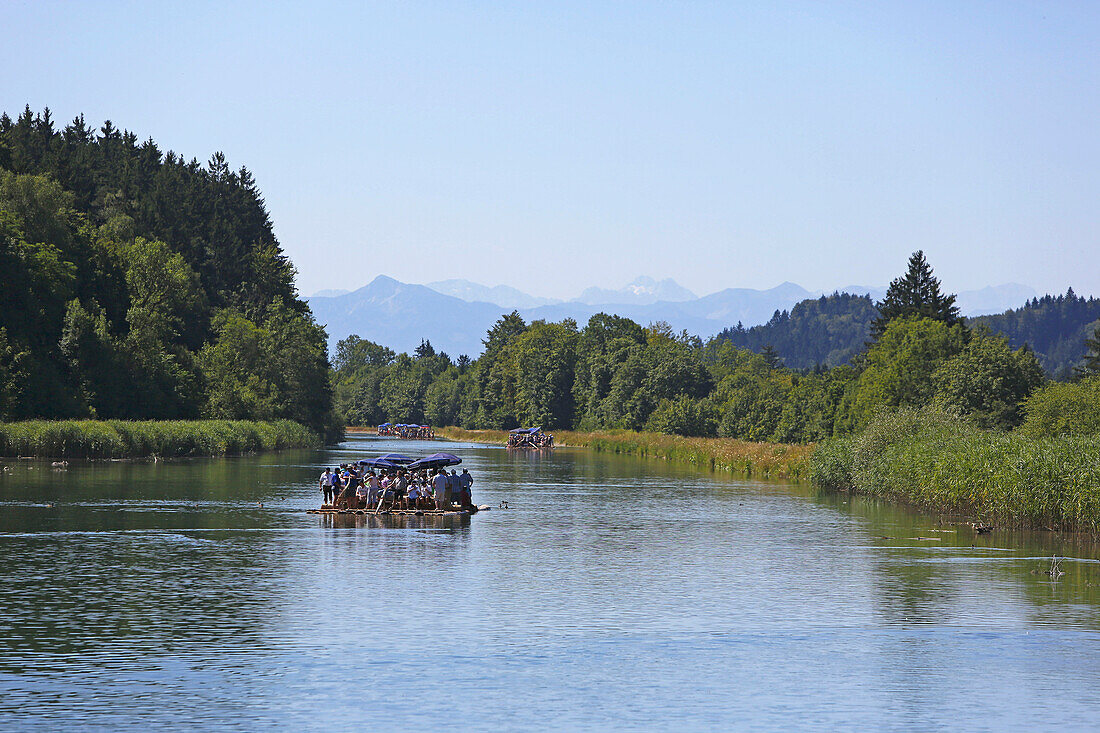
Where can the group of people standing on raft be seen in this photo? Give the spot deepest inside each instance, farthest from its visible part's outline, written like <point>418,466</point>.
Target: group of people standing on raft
<point>409,432</point>
<point>530,438</point>
<point>350,487</point>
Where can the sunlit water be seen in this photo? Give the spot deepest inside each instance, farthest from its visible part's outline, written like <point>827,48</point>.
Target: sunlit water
<point>615,593</point>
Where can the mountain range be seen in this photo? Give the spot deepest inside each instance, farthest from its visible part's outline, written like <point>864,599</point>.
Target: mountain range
<point>455,314</point>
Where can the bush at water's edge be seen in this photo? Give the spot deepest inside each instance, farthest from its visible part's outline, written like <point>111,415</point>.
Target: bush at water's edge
<point>144,438</point>
<point>766,460</point>
<point>935,460</point>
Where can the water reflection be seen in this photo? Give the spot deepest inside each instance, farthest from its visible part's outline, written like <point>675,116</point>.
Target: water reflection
<point>369,520</point>
<point>614,593</point>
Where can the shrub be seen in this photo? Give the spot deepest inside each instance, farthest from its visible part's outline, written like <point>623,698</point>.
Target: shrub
<point>683,416</point>
<point>137,439</point>
<point>988,381</point>
<point>1064,409</point>
<point>935,459</point>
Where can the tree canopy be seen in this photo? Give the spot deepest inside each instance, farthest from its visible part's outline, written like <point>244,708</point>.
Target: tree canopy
<point>915,294</point>
<point>136,284</point>
<point>616,374</point>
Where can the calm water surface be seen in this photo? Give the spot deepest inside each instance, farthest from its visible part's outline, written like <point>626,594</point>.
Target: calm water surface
<point>615,593</point>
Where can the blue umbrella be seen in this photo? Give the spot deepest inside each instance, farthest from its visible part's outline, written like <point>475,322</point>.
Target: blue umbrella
<point>436,460</point>
<point>378,463</point>
<point>396,458</point>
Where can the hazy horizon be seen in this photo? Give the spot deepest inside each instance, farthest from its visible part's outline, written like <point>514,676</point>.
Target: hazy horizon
<point>544,146</point>
<point>572,296</point>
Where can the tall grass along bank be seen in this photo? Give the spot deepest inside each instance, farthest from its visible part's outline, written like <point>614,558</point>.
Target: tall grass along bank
<point>766,460</point>
<point>145,438</point>
<point>936,461</point>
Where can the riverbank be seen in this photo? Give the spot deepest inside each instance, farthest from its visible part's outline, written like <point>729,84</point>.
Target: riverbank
<point>937,462</point>
<point>763,460</point>
<point>75,439</point>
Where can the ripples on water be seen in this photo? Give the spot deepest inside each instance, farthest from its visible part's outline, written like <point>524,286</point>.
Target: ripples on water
<point>616,594</point>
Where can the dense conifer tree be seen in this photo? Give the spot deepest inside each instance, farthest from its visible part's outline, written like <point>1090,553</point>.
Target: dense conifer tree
<point>1091,365</point>
<point>134,283</point>
<point>915,294</point>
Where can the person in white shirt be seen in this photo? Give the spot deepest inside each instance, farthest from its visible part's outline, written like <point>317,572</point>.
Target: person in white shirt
<point>374,490</point>
<point>326,487</point>
<point>442,494</point>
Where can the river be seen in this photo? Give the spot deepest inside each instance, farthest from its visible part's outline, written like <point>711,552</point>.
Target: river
<point>614,593</point>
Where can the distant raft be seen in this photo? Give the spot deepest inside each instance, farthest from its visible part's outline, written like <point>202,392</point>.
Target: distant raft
<point>530,438</point>
<point>408,432</point>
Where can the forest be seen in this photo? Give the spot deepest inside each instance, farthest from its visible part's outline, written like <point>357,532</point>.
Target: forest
<point>830,330</point>
<point>827,331</point>
<point>140,285</point>
<point>613,373</point>
<point>1054,327</point>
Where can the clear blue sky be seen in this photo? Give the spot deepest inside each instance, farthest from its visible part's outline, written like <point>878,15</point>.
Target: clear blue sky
<point>552,146</point>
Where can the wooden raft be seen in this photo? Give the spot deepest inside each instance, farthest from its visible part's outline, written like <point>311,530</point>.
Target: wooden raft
<point>393,512</point>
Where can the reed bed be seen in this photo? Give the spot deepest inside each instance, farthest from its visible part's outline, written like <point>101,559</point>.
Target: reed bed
<point>936,461</point>
<point>765,460</point>
<point>64,439</point>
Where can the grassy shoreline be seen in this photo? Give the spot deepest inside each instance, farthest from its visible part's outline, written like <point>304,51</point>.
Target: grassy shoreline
<point>764,460</point>
<point>937,462</point>
<point>91,439</point>
<point>924,459</point>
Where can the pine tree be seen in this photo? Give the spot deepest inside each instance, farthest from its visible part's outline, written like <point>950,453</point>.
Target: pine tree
<point>1091,367</point>
<point>771,356</point>
<point>917,293</point>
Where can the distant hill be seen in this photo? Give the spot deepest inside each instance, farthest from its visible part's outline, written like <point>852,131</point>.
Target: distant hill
<point>1054,327</point>
<point>502,295</point>
<point>399,315</point>
<point>828,330</point>
<point>805,328</point>
<point>640,291</point>
<point>993,299</point>
<point>330,293</point>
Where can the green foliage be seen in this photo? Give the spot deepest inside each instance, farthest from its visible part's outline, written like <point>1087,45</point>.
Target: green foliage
<point>1091,365</point>
<point>915,295</point>
<point>831,464</point>
<point>172,438</point>
<point>987,381</point>
<point>543,362</point>
<point>1054,327</point>
<point>276,369</point>
<point>614,374</point>
<point>750,395</point>
<point>828,330</point>
<point>605,344</point>
<point>811,408</point>
<point>115,260</point>
<point>1061,409</point>
<point>12,377</point>
<point>683,415</point>
<point>898,368</point>
<point>233,371</point>
<point>494,385</point>
<point>666,367</point>
<point>932,459</point>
